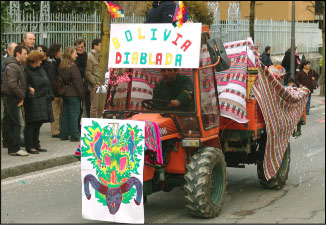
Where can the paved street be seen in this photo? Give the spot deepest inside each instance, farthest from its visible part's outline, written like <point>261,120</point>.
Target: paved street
<point>54,195</point>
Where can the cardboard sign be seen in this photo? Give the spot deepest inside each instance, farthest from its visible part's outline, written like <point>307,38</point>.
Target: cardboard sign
<point>112,163</point>
<point>154,45</point>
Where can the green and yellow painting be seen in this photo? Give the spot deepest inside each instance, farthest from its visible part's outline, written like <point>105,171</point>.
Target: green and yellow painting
<point>115,152</point>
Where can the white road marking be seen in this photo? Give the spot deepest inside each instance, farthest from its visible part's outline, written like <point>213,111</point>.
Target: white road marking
<point>314,153</point>
<point>33,176</point>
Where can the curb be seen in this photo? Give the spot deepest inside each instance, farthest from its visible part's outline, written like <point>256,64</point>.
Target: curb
<point>36,166</point>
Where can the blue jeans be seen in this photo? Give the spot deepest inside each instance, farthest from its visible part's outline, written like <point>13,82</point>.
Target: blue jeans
<point>14,117</point>
<point>308,105</point>
<point>69,119</point>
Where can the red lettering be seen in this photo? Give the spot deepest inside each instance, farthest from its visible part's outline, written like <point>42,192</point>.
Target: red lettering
<point>179,36</point>
<point>158,59</point>
<point>186,45</point>
<point>118,58</point>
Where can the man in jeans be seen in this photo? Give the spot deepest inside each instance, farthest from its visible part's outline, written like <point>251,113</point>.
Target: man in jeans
<point>4,124</point>
<point>92,74</point>
<point>13,89</point>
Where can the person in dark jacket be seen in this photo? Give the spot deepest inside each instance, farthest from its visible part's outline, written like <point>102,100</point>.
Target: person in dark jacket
<point>4,121</point>
<point>28,41</point>
<point>38,106</point>
<point>13,90</point>
<point>175,88</point>
<point>54,54</point>
<point>286,63</point>
<point>304,78</point>
<point>266,57</point>
<point>81,62</point>
<point>72,97</point>
<point>162,12</point>
<point>44,49</point>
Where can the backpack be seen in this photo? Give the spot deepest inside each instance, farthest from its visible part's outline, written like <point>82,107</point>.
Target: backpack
<point>59,86</point>
<point>215,49</point>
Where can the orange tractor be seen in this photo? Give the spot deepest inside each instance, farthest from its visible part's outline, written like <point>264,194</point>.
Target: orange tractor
<point>197,145</point>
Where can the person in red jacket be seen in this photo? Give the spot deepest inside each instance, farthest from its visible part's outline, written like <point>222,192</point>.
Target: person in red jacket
<point>305,78</point>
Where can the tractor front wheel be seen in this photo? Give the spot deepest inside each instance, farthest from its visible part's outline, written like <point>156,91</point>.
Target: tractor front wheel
<point>205,182</point>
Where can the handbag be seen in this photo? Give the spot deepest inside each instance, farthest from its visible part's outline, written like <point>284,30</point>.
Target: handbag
<point>215,49</point>
<point>315,84</point>
<point>59,86</point>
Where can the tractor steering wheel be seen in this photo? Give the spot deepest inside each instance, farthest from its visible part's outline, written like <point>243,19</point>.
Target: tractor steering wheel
<point>149,104</point>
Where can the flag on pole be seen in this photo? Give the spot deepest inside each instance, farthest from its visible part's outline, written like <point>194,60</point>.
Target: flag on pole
<point>114,10</point>
<point>180,15</point>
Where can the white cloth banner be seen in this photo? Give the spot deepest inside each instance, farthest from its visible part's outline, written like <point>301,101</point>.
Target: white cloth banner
<point>154,45</point>
<point>112,163</point>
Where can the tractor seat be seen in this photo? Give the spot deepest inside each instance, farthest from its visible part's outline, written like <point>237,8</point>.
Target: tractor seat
<point>166,125</point>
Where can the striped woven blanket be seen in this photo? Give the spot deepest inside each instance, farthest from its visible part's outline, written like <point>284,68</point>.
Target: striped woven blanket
<point>281,108</point>
<point>232,83</point>
<point>232,91</point>
<point>153,147</point>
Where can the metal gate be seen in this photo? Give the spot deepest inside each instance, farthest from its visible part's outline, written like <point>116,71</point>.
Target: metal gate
<point>50,28</point>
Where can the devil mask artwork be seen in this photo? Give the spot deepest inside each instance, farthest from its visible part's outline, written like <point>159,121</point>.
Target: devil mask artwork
<point>115,152</point>
<point>113,195</point>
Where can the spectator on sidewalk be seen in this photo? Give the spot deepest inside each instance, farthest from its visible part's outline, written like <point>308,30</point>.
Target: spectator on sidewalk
<point>72,97</point>
<point>29,41</point>
<point>92,74</point>
<point>286,63</point>
<point>54,54</point>
<point>266,57</point>
<point>38,106</point>
<point>13,89</point>
<point>10,52</point>
<point>81,62</point>
<point>291,83</point>
<point>304,78</point>
<point>42,48</point>
<point>5,119</point>
<point>162,12</point>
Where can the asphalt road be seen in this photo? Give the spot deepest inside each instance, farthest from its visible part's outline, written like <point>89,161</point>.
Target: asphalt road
<point>54,195</point>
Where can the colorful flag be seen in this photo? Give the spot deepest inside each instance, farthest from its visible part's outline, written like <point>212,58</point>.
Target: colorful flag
<point>180,15</point>
<point>114,10</point>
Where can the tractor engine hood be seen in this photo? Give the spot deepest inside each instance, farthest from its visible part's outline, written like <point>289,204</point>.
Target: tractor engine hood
<point>166,125</point>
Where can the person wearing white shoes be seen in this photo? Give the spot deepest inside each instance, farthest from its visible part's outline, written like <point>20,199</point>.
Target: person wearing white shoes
<point>13,90</point>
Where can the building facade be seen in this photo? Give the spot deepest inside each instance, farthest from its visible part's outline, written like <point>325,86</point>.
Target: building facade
<point>272,10</point>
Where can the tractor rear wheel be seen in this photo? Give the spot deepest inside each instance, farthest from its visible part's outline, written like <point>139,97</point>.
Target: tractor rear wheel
<point>278,181</point>
<point>205,182</point>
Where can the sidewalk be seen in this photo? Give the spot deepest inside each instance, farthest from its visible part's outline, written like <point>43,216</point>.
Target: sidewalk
<point>59,153</point>
<point>62,152</point>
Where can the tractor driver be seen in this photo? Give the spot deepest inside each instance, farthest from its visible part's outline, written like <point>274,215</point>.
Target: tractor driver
<point>175,88</point>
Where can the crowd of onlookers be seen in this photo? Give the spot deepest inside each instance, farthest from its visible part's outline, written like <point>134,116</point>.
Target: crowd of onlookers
<point>28,74</point>
<point>304,75</point>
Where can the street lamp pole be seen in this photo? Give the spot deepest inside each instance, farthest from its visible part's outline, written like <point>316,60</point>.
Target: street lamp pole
<point>293,41</point>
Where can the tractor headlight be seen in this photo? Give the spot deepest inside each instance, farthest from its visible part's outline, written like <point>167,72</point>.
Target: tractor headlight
<point>190,143</point>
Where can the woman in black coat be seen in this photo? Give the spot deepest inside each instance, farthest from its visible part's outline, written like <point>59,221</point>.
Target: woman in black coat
<point>38,106</point>
<point>286,63</point>
<point>54,54</point>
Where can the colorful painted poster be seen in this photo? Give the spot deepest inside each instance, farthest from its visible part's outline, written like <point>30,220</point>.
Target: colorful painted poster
<point>112,162</point>
<point>154,45</point>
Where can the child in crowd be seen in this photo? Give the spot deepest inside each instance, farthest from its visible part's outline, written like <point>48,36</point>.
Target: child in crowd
<point>291,83</point>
